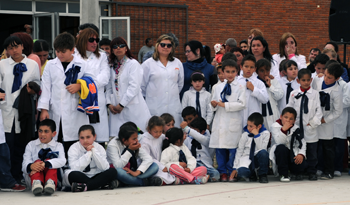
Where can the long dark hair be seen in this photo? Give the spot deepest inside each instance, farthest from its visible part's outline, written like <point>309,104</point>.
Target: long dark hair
<point>172,136</point>
<point>194,45</point>
<point>266,53</point>
<point>118,41</point>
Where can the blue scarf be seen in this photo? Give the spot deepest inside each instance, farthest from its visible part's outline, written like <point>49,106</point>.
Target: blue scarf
<point>18,73</point>
<point>72,75</point>
<point>225,91</point>
<point>47,154</point>
<point>324,86</point>
<point>182,157</point>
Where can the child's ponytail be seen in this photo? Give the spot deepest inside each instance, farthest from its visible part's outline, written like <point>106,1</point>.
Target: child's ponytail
<point>172,136</point>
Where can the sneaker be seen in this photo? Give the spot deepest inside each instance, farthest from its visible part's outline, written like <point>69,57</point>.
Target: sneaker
<point>235,179</point>
<point>201,180</point>
<point>253,178</point>
<point>177,181</point>
<point>78,187</point>
<point>37,188</point>
<point>49,187</point>
<point>223,177</point>
<point>263,178</point>
<point>284,179</point>
<point>154,181</point>
<point>15,188</point>
<point>337,173</point>
<point>313,177</point>
<point>319,173</point>
<point>299,177</point>
<point>326,176</point>
<point>113,184</point>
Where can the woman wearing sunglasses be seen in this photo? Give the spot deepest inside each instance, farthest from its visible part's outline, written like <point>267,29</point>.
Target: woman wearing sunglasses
<point>163,78</point>
<point>87,49</point>
<point>124,98</point>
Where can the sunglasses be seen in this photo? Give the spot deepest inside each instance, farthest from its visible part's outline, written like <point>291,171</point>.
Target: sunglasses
<point>168,45</point>
<point>119,46</point>
<point>91,40</point>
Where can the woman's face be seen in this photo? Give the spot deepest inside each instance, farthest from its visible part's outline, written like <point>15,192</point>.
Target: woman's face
<point>43,55</point>
<point>190,55</point>
<point>119,50</point>
<point>92,46</point>
<point>257,48</point>
<point>239,57</point>
<point>164,51</point>
<point>290,43</point>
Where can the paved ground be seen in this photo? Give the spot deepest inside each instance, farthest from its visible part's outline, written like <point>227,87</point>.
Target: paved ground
<point>334,191</point>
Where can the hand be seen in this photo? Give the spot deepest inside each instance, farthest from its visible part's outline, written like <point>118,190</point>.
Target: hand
<point>165,169</point>
<point>221,104</point>
<point>208,127</point>
<point>2,96</point>
<point>29,90</point>
<point>322,120</point>
<point>183,164</point>
<point>320,75</point>
<point>187,170</point>
<point>88,148</point>
<point>255,131</point>
<point>73,88</point>
<point>308,124</point>
<point>214,103</point>
<point>112,109</point>
<point>133,173</point>
<point>233,174</point>
<point>183,124</point>
<point>250,86</point>
<point>287,126</point>
<point>44,115</point>
<point>268,81</point>
<point>290,50</point>
<point>32,173</point>
<point>37,166</point>
<point>271,77</point>
<point>299,159</point>
<point>118,108</point>
<point>135,146</point>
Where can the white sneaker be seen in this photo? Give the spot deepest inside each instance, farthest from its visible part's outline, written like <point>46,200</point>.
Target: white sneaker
<point>319,173</point>
<point>337,173</point>
<point>37,188</point>
<point>284,179</point>
<point>49,187</point>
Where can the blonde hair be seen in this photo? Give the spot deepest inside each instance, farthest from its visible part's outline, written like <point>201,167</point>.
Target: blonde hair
<point>283,42</point>
<point>256,32</point>
<point>171,54</point>
<point>334,54</point>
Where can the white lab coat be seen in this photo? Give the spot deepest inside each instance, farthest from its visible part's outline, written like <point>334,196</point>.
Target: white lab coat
<point>283,101</point>
<point>299,59</point>
<point>100,69</point>
<point>153,147</point>
<point>326,130</point>
<point>61,104</point>
<point>243,151</point>
<point>6,81</point>
<point>31,155</point>
<point>115,157</point>
<point>278,137</point>
<point>189,99</point>
<point>161,86</point>
<point>253,98</point>
<point>275,93</point>
<point>129,95</point>
<point>171,156</point>
<point>342,121</point>
<point>314,115</point>
<point>227,123</point>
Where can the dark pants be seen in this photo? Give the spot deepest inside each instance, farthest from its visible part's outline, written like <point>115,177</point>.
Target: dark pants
<point>284,162</point>
<point>326,156</point>
<point>66,145</point>
<point>339,149</point>
<point>95,182</point>
<point>311,157</point>
<point>6,179</point>
<point>261,161</point>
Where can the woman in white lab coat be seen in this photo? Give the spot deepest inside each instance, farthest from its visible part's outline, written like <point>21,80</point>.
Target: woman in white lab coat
<point>97,62</point>
<point>163,79</point>
<point>123,94</point>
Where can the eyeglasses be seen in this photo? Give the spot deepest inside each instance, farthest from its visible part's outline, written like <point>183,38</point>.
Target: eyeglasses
<point>168,45</point>
<point>119,46</point>
<point>187,51</point>
<point>91,40</point>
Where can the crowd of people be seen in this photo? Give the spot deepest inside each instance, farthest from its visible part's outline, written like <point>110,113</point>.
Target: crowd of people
<point>95,117</point>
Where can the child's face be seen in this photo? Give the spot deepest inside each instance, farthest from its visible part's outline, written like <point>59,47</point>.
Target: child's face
<point>263,73</point>
<point>244,46</point>
<point>251,126</point>
<point>248,68</point>
<point>320,68</point>
<point>132,140</point>
<point>45,134</point>
<point>15,51</point>
<point>65,55</point>
<point>222,50</point>
<point>156,131</point>
<point>292,72</point>
<point>189,118</point>
<point>86,138</point>
<point>180,142</point>
<point>106,48</point>
<point>43,55</point>
<point>287,118</point>
<point>230,73</point>
<point>221,75</point>
<point>198,85</point>
<point>305,81</point>
<point>169,125</point>
<point>328,78</point>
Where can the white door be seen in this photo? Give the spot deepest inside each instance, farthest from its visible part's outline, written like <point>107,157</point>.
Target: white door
<point>112,27</point>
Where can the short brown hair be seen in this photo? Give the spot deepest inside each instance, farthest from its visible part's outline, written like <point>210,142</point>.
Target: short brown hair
<point>83,39</point>
<point>283,42</point>
<point>256,32</point>
<point>27,42</point>
<point>171,54</point>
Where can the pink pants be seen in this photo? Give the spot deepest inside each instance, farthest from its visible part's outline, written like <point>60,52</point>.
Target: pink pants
<point>186,177</point>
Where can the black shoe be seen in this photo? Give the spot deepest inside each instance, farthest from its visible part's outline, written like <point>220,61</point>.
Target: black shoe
<point>326,176</point>
<point>253,178</point>
<point>78,187</point>
<point>111,185</point>
<point>153,181</point>
<point>312,177</point>
<point>263,178</point>
<point>298,177</point>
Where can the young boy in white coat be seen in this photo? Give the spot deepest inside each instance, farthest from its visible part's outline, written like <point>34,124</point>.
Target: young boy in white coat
<point>270,110</point>
<point>15,73</point>
<point>306,102</point>
<point>59,97</point>
<point>256,93</point>
<point>43,159</point>
<point>252,151</point>
<point>197,141</point>
<point>288,148</point>
<point>228,102</point>
<point>331,99</point>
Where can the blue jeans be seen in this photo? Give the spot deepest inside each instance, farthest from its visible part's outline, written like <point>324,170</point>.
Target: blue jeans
<point>225,159</point>
<point>138,181</point>
<point>261,161</point>
<point>6,179</point>
<point>211,171</point>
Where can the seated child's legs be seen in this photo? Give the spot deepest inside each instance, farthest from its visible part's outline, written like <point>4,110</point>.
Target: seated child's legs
<point>328,156</point>
<point>282,159</point>
<point>211,171</point>
<point>231,159</point>
<point>262,161</point>
<point>6,179</point>
<point>339,154</point>
<point>128,179</point>
<point>181,174</point>
<point>51,174</point>
<point>221,158</point>
<point>298,169</point>
<point>311,157</point>
<point>97,181</point>
<point>199,171</point>
<point>152,170</point>
<point>243,172</point>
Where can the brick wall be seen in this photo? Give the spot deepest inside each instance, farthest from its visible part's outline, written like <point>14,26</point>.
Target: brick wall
<point>212,21</point>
